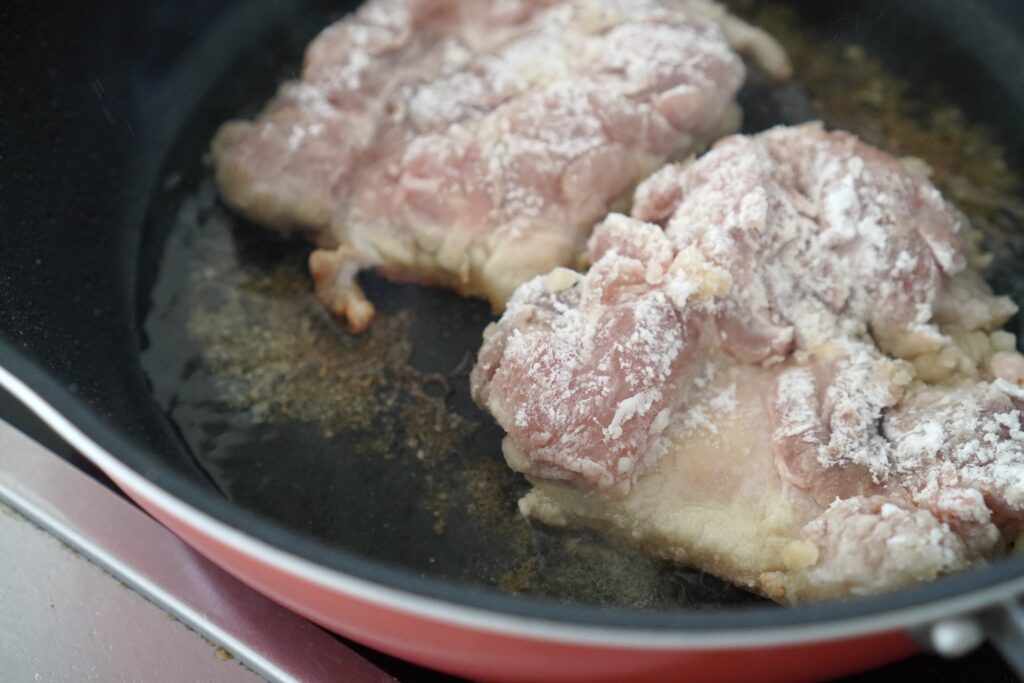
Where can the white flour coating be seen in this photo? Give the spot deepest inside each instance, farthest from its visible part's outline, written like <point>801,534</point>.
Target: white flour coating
<point>705,415</point>
<point>868,545</point>
<point>589,371</point>
<point>811,239</point>
<point>829,282</point>
<point>826,237</point>
<point>474,144</point>
<point>838,251</point>
<point>797,413</point>
<point>863,387</point>
<point>970,437</point>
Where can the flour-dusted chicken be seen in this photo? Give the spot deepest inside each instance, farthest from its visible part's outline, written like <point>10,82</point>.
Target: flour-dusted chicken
<point>823,405</point>
<point>473,145</point>
<point>583,371</point>
<point>821,232</point>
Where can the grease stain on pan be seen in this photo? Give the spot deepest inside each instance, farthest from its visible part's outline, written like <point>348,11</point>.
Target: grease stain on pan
<point>373,443</point>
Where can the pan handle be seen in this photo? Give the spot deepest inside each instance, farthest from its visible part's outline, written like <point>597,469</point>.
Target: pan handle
<point>1002,625</point>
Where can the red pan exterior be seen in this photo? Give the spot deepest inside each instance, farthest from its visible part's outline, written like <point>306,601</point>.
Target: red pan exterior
<point>489,656</point>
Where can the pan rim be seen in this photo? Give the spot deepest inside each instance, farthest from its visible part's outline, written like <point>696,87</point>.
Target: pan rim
<point>402,590</point>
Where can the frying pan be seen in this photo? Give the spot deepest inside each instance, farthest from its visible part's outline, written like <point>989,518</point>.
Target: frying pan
<point>376,527</point>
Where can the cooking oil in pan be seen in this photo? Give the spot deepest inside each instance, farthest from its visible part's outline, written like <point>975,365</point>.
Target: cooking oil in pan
<point>373,444</point>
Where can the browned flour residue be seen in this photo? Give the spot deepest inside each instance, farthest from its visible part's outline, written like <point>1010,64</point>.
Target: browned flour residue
<point>277,354</point>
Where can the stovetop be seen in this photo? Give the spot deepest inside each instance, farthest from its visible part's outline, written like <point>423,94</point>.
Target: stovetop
<point>67,619</point>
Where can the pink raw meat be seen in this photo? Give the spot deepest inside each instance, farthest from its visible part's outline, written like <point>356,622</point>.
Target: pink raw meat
<point>776,323</point>
<point>474,145</point>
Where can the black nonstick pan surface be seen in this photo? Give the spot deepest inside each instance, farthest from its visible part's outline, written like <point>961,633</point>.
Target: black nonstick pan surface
<point>136,302</point>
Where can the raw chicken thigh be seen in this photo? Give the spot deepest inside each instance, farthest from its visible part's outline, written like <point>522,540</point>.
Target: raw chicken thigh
<point>780,370</point>
<point>474,144</point>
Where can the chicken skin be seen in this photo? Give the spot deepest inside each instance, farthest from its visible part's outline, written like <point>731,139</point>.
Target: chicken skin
<point>473,145</point>
<point>779,370</point>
